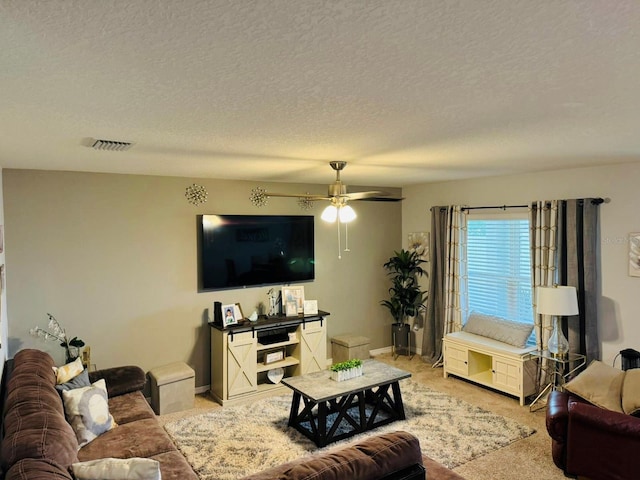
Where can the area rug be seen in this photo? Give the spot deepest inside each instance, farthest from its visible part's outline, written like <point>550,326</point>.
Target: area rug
<point>232,442</point>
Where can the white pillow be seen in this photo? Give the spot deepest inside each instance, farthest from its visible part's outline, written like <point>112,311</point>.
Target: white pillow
<point>68,371</point>
<point>501,329</point>
<point>87,410</point>
<point>117,469</point>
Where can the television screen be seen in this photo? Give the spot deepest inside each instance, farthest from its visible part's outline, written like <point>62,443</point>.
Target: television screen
<point>238,251</point>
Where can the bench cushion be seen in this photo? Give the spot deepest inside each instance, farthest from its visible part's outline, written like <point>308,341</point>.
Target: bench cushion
<point>498,328</point>
<point>474,340</point>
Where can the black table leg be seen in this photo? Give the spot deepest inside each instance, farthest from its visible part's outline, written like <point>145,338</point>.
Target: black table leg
<point>322,424</point>
<point>295,405</point>
<point>397,396</point>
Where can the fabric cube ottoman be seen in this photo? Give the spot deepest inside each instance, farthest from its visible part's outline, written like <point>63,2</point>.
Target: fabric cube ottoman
<point>172,388</point>
<point>349,346</point>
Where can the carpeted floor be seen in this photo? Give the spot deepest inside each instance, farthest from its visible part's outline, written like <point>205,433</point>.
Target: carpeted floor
<point>528,458</point>
<point>233,442</point>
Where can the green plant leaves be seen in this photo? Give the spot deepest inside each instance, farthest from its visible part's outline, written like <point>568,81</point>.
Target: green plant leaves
<point>346,365</point>
<point>406,298</point>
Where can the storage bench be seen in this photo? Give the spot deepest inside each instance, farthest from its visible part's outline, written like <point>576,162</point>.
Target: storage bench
<point>490,363</point>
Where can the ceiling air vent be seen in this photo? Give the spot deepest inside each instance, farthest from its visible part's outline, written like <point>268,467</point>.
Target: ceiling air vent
<point>111,145</point>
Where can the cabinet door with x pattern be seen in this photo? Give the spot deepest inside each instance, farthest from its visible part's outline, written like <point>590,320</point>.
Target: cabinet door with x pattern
<point>241,363</point>
<point>313,346</point>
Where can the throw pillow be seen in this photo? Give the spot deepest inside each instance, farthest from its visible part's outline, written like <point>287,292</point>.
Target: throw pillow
<point>117,469</point>
<point>78,381</point>
<point>87,410</point>
<point>501,329</point>
<point>599,384</point>
<point>68,371</point>
<point>631,392</point>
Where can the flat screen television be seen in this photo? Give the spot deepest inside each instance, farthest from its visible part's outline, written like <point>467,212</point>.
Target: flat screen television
<point>237,251</point>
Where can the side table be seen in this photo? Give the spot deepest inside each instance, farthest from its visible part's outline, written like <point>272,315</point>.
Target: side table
<point>557,369</point>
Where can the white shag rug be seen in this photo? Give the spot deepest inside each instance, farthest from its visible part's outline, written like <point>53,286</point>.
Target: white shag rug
<point>232,442</point>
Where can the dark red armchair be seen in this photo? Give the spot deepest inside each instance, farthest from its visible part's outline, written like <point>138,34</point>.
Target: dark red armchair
<point>591,441</point>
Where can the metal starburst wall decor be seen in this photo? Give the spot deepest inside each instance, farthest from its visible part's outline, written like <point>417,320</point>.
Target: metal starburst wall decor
<point>196,194</point>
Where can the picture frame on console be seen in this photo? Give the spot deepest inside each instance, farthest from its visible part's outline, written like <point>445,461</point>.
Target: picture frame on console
<point>274,356</point>
<point>293,294</point>
<point>310,307</point>
<point>291,308</point>
<point>231,314</point>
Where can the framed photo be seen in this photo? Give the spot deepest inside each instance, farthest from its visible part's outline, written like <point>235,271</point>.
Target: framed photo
<point>634,254</point>
<point>291,309</point>
<point>231,314</point>
<point>86,356</point>
<point>293,294</point>
<point>273,357</point>
<point>310,307</point>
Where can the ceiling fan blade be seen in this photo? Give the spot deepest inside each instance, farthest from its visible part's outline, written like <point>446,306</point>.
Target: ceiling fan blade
<point>381,199</point>
<point>363,195</point>
<point>297,195</point>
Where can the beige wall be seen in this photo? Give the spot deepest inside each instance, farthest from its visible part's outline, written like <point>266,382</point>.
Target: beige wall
<point>113,257</point>
<point>619,305</point>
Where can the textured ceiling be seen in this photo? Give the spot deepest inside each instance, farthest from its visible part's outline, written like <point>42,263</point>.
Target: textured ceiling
<point>272,90</point>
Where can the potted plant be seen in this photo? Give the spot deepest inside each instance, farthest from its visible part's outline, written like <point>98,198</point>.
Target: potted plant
<point>406,298</point>
<point>345,370</point>
<point>56,332</point>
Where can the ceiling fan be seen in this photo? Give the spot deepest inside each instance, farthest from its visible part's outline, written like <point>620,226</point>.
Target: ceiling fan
<point>337,193</point>
<point>338,196</point>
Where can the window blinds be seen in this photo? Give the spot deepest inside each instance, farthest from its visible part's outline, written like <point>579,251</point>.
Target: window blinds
<point>499,268</point>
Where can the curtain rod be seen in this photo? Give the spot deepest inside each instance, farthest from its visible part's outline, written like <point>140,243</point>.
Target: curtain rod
<point>501,207</point>
<point>594,201</point>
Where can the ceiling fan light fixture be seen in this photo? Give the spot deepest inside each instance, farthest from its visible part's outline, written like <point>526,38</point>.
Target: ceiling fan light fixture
<point>330,214</point>
<point>346,214</point>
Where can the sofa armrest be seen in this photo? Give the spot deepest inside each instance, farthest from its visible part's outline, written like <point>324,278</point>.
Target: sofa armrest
<point>600,419</point>
<point>120,380</point>
<point>596,434</point>
<point>557,415</point>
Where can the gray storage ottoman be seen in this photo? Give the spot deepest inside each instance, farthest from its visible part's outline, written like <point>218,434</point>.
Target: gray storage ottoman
<point>172,388</point>
<point>349,346</point>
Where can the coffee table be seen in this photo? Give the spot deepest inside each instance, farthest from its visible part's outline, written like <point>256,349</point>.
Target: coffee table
<point>336,410</point>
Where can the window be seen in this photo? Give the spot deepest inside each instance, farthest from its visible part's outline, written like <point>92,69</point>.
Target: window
<point>499,266</point>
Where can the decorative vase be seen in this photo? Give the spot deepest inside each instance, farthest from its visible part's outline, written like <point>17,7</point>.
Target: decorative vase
<point>558,345</point>
<point>71,353</point>
<point>342,375</point>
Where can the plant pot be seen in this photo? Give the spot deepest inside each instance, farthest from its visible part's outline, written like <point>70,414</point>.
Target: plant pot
<point>400,334</point>
<point>71,353</point>
<point>343,375</point>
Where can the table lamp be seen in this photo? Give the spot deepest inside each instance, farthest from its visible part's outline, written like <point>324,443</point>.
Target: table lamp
<point>558,301</point>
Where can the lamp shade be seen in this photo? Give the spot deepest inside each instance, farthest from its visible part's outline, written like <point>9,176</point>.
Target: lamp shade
<point>330,214</point>
<point>346,214</point>
<point>558,300</point>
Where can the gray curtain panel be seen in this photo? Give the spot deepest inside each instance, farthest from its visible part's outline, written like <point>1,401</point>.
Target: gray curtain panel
<point>578,266</point>
<point>434,316</point>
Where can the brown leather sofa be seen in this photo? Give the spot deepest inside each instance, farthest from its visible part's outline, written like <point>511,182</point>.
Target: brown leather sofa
<point>590,441</point>
<point>38,442</point>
